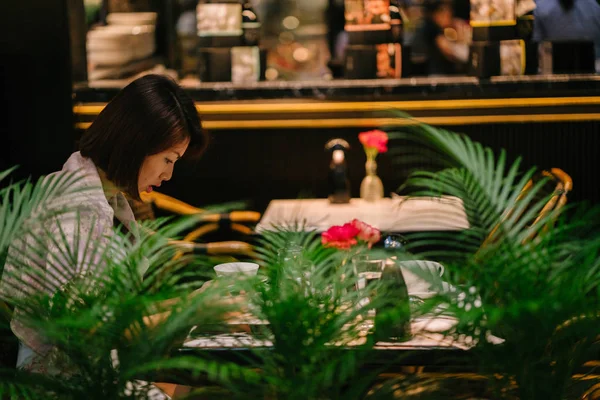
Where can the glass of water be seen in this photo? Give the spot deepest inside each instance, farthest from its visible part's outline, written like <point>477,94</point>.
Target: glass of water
<point>367,270</point>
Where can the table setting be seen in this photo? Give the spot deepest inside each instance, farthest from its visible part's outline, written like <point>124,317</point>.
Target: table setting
<point>423,280</point>
<point>379,299</point>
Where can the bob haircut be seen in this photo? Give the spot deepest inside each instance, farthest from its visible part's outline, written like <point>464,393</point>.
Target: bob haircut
<point>150,115</point>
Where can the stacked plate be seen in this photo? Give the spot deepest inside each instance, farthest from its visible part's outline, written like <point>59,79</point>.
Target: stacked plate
<point>128,38</point>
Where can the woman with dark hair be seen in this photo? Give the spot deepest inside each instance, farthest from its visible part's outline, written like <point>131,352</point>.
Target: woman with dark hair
<point>568,20</point>
<point>139,135</point>
<point>131,147</point>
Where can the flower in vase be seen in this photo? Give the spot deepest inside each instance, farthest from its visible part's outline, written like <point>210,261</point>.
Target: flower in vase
<point>346,236</point>
<point>374,141</point>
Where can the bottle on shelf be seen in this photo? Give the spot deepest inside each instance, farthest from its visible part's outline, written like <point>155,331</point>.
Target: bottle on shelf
<point>250,24</point>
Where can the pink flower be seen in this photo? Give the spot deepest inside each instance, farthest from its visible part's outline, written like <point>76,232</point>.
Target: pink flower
<point>375,139</point>
<point>341,237</point>
<point>366,232</point>
<point>345,236</point>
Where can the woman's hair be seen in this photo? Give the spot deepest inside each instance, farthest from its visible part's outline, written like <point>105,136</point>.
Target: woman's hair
<point>150,115</point>
<point>567,4</point>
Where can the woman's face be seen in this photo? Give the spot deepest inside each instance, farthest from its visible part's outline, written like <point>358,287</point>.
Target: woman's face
<point>159,167</point>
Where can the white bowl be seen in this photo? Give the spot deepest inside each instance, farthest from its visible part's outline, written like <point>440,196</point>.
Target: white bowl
<point>111,57</point>
<point>119,37</point>
<point>236,268</point>
<point>421,275</point>
<point>116,45</point>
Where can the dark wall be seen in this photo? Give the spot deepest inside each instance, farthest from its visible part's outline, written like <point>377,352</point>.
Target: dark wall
<point>262,165</point>
<point>571,146</point>
<point>36,121</point>
<point>36,124</point>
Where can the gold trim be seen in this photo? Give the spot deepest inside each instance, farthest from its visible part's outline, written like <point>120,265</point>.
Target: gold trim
<point>487,24</point>
<point>374,122</point>
<point>82,126</point>
<point>307,107</point>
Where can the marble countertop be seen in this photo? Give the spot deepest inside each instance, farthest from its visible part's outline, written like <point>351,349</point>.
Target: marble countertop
<point>459,87</point>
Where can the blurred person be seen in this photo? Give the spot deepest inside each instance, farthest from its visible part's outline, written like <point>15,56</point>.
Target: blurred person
<point>568,20</point>
<point>431,47</point>
<point>337,37</point>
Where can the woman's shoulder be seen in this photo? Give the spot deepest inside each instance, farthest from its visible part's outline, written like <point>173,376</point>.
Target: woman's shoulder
<point>77,186</point>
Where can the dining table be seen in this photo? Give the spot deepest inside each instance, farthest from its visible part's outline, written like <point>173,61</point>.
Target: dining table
<point>397,214</point>
<point>428,345</point>
<point>428,350</point>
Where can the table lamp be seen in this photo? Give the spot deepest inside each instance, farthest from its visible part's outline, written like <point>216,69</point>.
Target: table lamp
<point>339,184</point>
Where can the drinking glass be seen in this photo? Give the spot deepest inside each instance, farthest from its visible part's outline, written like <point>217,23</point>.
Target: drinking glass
<point>367,270</point>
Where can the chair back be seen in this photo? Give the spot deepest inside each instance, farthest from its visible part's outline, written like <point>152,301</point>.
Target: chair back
<point>232,221</point>
<point>555,190</point>
<point>169,203</point>
<point>209,222</point>
<point>562,184</point>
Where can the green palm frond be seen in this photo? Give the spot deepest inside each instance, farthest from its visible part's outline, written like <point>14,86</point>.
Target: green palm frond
<point>490,190</point>
<point>309,304</point>
<point>534,286</point>
<point>24,385</point>
<point>25,201</point>
<point>88,318</point>
<point>486,195</point>
<point>216,371</point>
<point>277,239</point>
<point>85,295</point>
<point>6,174</point>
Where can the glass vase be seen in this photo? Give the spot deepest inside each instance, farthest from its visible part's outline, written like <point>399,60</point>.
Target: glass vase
<point>371,187</point>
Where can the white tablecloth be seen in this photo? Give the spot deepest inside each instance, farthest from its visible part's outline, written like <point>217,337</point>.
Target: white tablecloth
<point>388,215</point>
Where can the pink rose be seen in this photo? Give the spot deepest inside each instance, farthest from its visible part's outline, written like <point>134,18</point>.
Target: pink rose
<point>374,139</point>
<point>341,237</point>
<point>366,232</point>
<point>345,236</point>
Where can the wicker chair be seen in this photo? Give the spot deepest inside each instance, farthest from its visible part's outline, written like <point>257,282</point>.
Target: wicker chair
<point>210,222</point>
<point>559,184</point>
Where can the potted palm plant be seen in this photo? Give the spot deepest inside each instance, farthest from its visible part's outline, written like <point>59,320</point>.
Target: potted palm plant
<point>108,327</point>
<point>534,285</point>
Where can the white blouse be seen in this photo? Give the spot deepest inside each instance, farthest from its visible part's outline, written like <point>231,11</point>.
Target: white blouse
<point>65,239</point>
